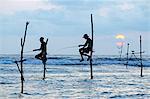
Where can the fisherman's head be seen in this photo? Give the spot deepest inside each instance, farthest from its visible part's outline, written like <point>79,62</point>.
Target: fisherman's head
<point>41,39</point>
<point>85,36</point>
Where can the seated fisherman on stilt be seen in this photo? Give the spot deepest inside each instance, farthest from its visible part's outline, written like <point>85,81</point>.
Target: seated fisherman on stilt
<point>43,53</point>
<point>86,49</point>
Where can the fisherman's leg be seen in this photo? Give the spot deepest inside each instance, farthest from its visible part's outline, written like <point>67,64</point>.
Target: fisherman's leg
<point>38,56</point>
<point>87,51</point>
<point>44,58</point>
<point>81,54</point>
<point>87,56</point>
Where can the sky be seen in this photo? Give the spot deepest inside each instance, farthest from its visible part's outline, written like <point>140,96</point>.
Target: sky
<point>64,22</point>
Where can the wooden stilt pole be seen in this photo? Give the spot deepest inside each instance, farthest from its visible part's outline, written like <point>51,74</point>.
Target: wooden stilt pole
<point>92,49</point>
<point>44,63</point>
<point>127,55</point>
<point>21,58</point>
<point>121,51</point>
<point>141,56</point>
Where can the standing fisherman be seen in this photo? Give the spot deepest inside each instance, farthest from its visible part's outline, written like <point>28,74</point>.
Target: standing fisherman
<point>43,48</point>
<point>87,47</point>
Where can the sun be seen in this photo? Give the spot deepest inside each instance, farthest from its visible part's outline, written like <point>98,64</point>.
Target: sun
<point>120,43</point>
<point>120,36</point>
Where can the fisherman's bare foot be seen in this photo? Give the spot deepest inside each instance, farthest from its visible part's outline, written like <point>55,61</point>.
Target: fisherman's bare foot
<point>89,57</point>
<point>81,60</point>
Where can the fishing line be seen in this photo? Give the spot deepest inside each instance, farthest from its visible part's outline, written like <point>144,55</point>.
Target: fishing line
<point>69,47</point>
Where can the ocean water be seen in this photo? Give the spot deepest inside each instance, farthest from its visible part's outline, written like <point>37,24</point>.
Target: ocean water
<point>68,78</point>
<point>75,60</point>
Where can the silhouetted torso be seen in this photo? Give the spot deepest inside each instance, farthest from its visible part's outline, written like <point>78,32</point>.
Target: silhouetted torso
<point>88,44</point>
<point>43,47</point>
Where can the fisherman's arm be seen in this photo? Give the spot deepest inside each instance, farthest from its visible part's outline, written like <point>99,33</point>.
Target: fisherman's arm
<point>85,44</point>
<point>38,49</point>
<point>80,45</point>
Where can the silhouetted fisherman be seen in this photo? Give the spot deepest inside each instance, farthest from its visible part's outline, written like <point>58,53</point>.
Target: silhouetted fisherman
<point>87,47</point>
<point>43,53</point>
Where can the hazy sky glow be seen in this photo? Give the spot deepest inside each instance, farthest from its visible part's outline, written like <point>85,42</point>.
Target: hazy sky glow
<point>65,21</point>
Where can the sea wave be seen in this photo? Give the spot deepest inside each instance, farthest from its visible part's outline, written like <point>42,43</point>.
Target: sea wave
<point>75,60</point>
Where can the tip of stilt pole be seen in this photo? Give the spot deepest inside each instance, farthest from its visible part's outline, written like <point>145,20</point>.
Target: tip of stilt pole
<point>27,22</point>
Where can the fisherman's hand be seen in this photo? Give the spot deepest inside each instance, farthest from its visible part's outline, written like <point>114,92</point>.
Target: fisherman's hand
<point>79,45</point>
<point>34,50</point>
